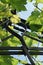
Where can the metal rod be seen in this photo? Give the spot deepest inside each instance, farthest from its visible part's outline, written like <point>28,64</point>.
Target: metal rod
<point>33,38</point>
<point>22,24</point>
<point>19,53</point>
<point>10,48</point>
<point>11,53</point>
<point>22,30</point>
<point>6,38</point>
<point>35,53</point>
<point>10,36</point>
<point>20,48</point>
<point>23,43</point>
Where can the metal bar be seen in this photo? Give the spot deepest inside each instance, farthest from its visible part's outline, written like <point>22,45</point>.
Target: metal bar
<point>23,43</point>
<point>22,30</point>
<point>35,53</point>
<point>10,48</point>
<point>20,48</point>
<point>28,55</point>
<point>36,48</point>
<point>11,53</point>
<point>19,53</point>
<point>33,38</point>
<point>10,36</point>
<point>25,26</point>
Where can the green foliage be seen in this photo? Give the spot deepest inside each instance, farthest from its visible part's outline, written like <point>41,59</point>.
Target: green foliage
<point>29,0</point>
<point>5,7</point>
<point>35,21</point>
<point>39,1</point>
<point>8,60</point>
<point>18,4</point>
<point>33,18</point>
<point>31,42</point>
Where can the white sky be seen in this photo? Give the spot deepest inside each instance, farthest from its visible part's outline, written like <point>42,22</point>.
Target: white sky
<point>25,14</point>
<point>30,7</point>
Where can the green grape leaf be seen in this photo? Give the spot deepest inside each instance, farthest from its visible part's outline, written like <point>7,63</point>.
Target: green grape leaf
<point>30,42</point>
<point>39,1</point>
<point>6,1</point>
<point>8,60</point>
<point>29,0</point>
<point>35,20</point>
<point>15,19</point>
<point>16,4</point>
<point>32,19</point>
<point>11,41</point>
<point>35,27</point>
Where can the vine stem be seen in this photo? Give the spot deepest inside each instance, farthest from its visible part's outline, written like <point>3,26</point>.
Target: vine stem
<point>33,38</point>
<point>38,8</point>
<point>36,60</point>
